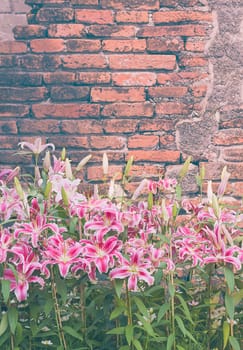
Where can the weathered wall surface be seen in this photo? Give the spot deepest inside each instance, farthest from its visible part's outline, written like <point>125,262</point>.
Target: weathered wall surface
<point>159,80</point>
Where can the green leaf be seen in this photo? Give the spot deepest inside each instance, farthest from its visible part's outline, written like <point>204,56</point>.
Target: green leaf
<point>118,284</point>
<point>230,278</point>
<point>230,307</point>
<point>125,347</point>
<point>117,330</point>
<point>180,347</point>
<point>12,318</point>
<point>180,324</point>
<point>237,296</point>
<point>117,312</point>
<point>185,308</point>
<point>5,290</point>
<point>72,332</point>
<point>137,344</point>
<point>162,311</point>
<point>61,289</point>
<point>171,288</point>
<point>19,334</point>
<point>146,326</point>
<point>3,324</point>
<point>170,341</point>
<point>226,333</point>
<point>234,343</point>
<point>129,333</point>
<point>141,307</point>
<point>127,168</point>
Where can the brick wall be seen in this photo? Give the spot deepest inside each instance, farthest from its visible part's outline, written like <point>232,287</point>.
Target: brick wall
<point>159,80</point>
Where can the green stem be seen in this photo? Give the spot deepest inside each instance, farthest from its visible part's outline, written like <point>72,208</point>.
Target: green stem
<point>82,308</point>
<point>172,303</point>
<point>129,307</point>
<point>57,312</point>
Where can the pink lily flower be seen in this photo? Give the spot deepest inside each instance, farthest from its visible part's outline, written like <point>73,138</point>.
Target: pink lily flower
<point>26,263</point>
<point>61,252</point>
<point>36,228</point>
<point>36,147</point>
<point>6,240</point>
<point>102,224</point>
<point>102,254</point>
<point>232,255</point>
<point>136,269</point>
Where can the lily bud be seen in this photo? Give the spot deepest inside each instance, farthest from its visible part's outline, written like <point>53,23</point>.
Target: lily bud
<point>47,162</point>
<point>82,163</point>
<point>105,164</point>
<point>68,169</point>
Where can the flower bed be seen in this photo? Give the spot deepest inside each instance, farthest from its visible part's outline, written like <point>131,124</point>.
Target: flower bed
<point>116,271</point>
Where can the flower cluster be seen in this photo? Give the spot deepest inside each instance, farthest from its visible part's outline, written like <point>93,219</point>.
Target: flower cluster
<point>128,240</point>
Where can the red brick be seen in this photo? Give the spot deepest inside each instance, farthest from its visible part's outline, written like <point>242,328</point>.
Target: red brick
<point>155,156</point>
<point>82,45</point>
<point>169,108</point>
<point>68,110</point>
<point>69,141</point>
<point>213,170</point>
<point>66,30</point>
<point>85,2</point>
<point>115,30</point>
<point>143,141</point>
<point>142,62</point>
<point>8,127</point>
<point>196,46</point>
<point>7,61</point>
<point>122,125</point>
<point>30,31</point>
<point>9,142</point>
<point>233,154</point>
<point>12,47</point>
<point>77,61</point>
<point>59,77</point>
<point>45,2</point>
<point>20,79</point>
<point>39,62</point>
<point>110,94</point>
<point>65,93</point>
<point>165,44</point>
<point>107,142</point>
<point>96,172</point>
<point>157,124</point>
<point>134,79</point>
<point>233,123</point>
<point>228,137</point>
<point>79,127</point>
<point>94,16</point>
<point>164,78</point>
<point>193,62</point>
<point>128,110</point>
<point>199,90</point>
<point>181,16</point>
<point>14,111</point>
<point>135,4</point>
<point>13,159</point>
<point>167,91</point>
<point>175,30</point>
<point>55,15</point>
<point>38,126</point>
<point>167,140</point>
<point>93,77</point>
<point>132,17</point>
<point>47,45</point>
<point>129,45</point>
<point>22,94</point>
<point>146,171</point>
